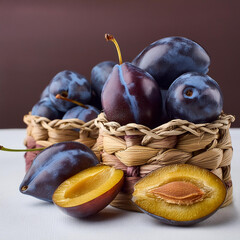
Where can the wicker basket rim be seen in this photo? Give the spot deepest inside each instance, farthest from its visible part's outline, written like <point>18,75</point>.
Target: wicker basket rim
<point>58,123</point>
<point>171,128</point>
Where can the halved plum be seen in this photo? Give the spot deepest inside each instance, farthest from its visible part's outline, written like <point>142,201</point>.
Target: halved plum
<point>180,194</point>
<point>89,191</point>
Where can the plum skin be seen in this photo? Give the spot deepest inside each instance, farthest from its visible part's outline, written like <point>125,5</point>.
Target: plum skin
<point>71,85</point>
<point>84,114</point>
<point>53,166</point>
<point>100,74</point>
<point>194,97</point>
<point>45,92</point>
<point>137,98</point>
<point>45,108</point>
<point>178,223</point>
<point>168,58</point>
<point>94,206</point>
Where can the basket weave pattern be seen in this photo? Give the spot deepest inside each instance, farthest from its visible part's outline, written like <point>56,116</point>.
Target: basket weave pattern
<point>137,150</point>
<point>42,132</point>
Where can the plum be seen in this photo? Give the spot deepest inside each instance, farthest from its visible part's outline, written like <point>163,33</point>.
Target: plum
<point>45,108</point>
<point>100,74</point>
<point>131,95</point>
<point>194,97</point>
<point>84,114</point>
<point>89,191</point>
<point>54,165</point>
<point>71,85</point>
<point>82,111</point>
<point>168,58</point>
<point>45,92</point>
<point>136,98</point>
<point>180,194</point>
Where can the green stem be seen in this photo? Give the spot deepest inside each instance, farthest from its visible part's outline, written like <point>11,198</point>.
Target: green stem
<point>20,150</point>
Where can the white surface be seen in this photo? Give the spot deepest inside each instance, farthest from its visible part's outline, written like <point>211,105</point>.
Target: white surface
<point>24,217</point>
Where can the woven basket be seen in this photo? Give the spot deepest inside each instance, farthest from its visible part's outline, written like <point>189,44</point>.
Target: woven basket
<point>42,132</point>
<point>138,150</point>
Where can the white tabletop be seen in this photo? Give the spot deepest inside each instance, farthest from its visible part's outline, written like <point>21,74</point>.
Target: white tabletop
<point>24,217</point>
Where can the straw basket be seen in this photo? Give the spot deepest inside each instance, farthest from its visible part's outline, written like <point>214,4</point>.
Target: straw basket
<point>138,150</point>
<point>42,132</point>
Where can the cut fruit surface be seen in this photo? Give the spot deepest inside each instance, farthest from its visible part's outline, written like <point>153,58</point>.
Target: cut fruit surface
<point>89,191</point>
<point>180,194</point>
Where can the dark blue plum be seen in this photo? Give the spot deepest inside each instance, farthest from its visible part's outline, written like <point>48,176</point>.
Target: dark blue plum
<point>168,58</point>
<point>194,97</point>
<point>95,100</point>
<point>45,108</point>
<point>100,74</point>
<point>164,116</point>
<point>131,95</point>
<point>45,92</point>
<point>53,166</point>
<point>84,114</point>
<point>71,85</point>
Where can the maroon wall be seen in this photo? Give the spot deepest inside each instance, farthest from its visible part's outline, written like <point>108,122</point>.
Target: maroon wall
<point>40,38</point>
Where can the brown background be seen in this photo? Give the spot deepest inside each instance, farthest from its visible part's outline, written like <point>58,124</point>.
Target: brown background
<point>40,38</point>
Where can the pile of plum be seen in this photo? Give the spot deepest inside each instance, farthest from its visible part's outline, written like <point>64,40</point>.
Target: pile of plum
<point>166,81</point>
<point>67,96</point>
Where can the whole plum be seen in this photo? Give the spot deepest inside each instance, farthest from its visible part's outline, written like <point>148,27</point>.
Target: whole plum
<point>54,165</point>
<point>194,97</point>
<point>100,74</point>
<point>164,115</point>
<point>84,114</point>
<point>95,100</point>
<point>45,92</point>
<point>131,95</point>
<point>45,108</point>
<point>71,85</point>
<point>168,58</point>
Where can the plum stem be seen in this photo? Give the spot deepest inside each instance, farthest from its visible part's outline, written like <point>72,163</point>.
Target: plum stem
<point>110,37</point>
<point>189,93</point>
<point>24,188</point>
<point>20,150</point>
<point>59,96</point>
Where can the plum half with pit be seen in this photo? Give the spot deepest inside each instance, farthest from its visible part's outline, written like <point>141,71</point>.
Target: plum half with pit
<point>194,97</point>
<point>170,57</point>
<point>180,194</point>
<point>71,85</point>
